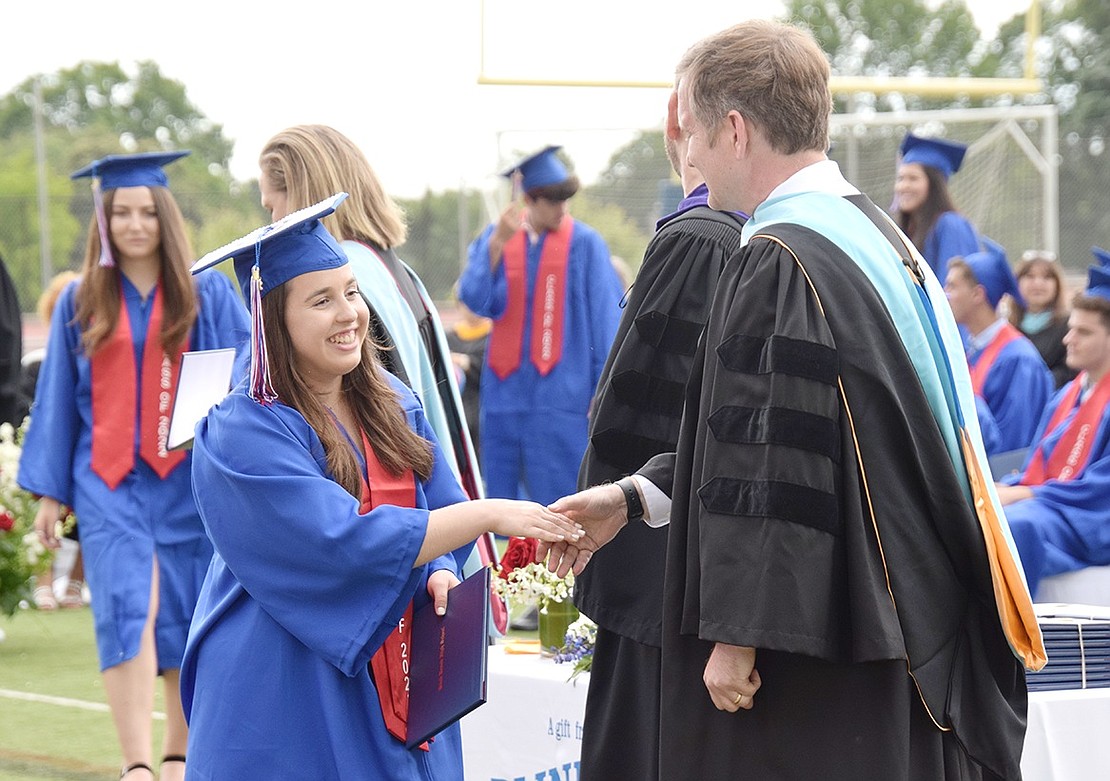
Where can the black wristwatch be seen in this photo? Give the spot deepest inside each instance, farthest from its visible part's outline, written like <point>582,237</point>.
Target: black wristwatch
<point>631,499</point>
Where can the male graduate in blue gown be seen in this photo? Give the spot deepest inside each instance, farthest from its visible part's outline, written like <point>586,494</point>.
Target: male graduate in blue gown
<point>547,282</point>
<point>1007,371</point>
<point>1059,506</point>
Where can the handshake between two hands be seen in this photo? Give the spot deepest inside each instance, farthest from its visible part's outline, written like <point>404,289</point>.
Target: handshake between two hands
<point>599,513</point>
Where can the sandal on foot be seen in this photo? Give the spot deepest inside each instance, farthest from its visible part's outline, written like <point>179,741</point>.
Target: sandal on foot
<point>73,597</point>
<point>44,598</point>
<point>137,766</point>
<point>173,758</point>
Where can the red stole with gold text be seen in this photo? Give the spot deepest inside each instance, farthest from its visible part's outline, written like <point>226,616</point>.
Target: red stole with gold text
<point>1073,449</point>
<point>390,663</point>
<point>548,303</point>
<point>114,379</point>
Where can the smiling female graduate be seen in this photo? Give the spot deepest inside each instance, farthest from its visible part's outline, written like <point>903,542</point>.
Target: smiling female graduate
<point>333,513</point>
<point>97,440</point>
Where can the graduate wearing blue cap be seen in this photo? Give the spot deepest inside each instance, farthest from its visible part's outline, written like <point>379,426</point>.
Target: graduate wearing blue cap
<point>334,515</point>
<point>924,208</point>
<point>97,440</point>
<point>1057,505</point>
<point>1007,371</point>
<point>547,282</point>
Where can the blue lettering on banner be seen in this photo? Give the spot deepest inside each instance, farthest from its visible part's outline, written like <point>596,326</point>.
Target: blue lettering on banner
<point>561,729</point>
<point>569,771</point>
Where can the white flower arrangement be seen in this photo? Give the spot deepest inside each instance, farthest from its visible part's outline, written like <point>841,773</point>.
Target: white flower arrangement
<point>533,584</point>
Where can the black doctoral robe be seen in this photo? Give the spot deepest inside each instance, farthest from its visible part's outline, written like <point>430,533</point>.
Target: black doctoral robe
<point>638,408</point>
<point>817,517</point>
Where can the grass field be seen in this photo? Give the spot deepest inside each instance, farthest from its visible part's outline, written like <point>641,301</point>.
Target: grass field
<point>54,720</point>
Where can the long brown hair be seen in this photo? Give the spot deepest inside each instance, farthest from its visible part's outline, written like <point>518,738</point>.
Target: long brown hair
<point>373,401</point>
<point>98,294</point>
<point>311,162</point>
<point>938,200</point>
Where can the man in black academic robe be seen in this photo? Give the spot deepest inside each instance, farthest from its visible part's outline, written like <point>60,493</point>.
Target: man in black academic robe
<point>637,411</point>
<point>829,610</point>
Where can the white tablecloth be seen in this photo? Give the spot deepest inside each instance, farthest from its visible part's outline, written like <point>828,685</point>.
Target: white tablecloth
<point>531,727</point>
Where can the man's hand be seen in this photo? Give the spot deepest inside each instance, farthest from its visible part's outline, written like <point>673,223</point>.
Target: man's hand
<point>601,511</point>
<point>511,220</point>
<point>731,677</point>
<point>1008,494</point>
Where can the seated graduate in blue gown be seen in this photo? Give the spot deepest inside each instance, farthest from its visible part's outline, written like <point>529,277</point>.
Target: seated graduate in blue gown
<point>333,514</point>
<point>1059,506</point>
<point>1007,371</point>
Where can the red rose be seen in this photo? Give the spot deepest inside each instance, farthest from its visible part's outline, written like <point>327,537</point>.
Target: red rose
<point>7,521</point>
<point>520,553</point>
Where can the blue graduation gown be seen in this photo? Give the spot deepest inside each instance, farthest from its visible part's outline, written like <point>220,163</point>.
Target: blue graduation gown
<point>952,236</point>
<point>534,428</point>
<point>145,516</point>
<point>1016,390</point>
<point>302,591</point>
<point>1066,525</point>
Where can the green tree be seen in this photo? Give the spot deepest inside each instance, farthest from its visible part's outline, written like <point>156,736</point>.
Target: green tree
<point>632,182</point>
<point>900,38</point>
<point>92,110</point>
<point>1073,60</point>
<point>438,233</point>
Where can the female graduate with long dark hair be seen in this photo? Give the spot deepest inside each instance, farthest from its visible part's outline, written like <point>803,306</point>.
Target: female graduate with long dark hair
<point>334,515</point>
<point>97,440</point>
<point>924,209</point>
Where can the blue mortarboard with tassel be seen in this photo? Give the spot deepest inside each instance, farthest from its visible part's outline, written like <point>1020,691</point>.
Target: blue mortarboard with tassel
<point>144,169</point>
<point>993,272</point>
<point>946,156</point>
<point>1098,276</point>
<point>271,256</point>
<point>539,169</point>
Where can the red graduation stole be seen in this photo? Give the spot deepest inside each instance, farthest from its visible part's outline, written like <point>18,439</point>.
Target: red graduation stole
<point>113,399</point>
<point>548,304</point>
<point>1073,449</point>
<point>983,366</point>
<point>390,664</point>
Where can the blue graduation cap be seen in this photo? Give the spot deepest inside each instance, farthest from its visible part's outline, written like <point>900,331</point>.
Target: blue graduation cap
<point>540,169</point>
<point>993,272</point>
<point>270,256</point>
<point>946,156</point>
<point>1102,257</point>
<point>1098,281</point>
<point>109,173</point>
<point>138,170</point>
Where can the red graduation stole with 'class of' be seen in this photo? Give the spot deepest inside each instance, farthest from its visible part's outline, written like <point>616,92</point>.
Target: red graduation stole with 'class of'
<point>983,366</point>
<point>1073,449</point>
<point>113,399</point>
<point>390,664</point>
<point>548,303</point>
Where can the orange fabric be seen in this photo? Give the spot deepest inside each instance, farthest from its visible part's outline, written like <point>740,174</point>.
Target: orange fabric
<point>1015,606</point>
<point>983,366</point>
<point>1073,449</point>
<point>548,304</point>
<point>113,400</point>
<point>390,663</point>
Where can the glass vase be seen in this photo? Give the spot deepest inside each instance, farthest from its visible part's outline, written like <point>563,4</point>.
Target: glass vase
<point>553,626</point>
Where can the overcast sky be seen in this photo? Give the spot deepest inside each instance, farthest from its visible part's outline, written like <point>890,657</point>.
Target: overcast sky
<point>400,78</point>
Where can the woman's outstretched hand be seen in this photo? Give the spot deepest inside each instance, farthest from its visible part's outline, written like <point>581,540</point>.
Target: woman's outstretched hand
<point>514,518</point>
